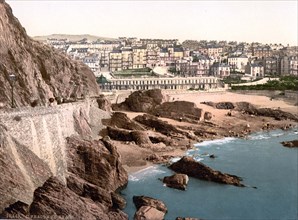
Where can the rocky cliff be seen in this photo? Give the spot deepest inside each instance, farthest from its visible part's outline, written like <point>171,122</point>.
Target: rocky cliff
<point>41,71</point>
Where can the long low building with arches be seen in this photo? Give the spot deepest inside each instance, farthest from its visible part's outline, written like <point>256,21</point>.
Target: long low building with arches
<point>201,83</point>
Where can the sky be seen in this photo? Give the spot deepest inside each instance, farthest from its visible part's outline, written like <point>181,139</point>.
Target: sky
<point>242,21</point>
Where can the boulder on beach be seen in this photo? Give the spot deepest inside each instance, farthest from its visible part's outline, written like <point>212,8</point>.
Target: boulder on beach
<point>141,101</point>
<point>177,181</point>
<point>187,165</point>
<point>178,110</point>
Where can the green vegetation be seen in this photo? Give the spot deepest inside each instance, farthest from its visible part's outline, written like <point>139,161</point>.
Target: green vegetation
<point>134,73</point>
<point>233,79</point>
<point>284,83</point>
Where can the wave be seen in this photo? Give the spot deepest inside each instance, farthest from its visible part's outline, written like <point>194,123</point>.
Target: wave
<point>259,137</point>
<point>216,142</point>
<point>147,172</point>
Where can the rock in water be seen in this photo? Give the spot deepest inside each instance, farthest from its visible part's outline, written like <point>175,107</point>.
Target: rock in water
<point>177,181</point>
<point>148,213</point>
<point>41,71</point>
<point>290,144</point>
<point>189,166</point>
<point>149,208</point>
<point>140,201</point>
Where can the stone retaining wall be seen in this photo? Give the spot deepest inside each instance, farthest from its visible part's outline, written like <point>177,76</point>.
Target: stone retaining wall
<point>43,129</point>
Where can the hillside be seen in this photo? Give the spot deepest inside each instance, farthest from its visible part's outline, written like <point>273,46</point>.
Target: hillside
<point>41,71</point>
<point>72,37</point>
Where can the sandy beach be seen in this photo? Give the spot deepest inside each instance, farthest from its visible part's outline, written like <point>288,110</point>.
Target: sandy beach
<point>133,156</point>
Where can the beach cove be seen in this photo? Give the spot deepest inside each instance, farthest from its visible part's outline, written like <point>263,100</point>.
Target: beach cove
<point>260,160</point>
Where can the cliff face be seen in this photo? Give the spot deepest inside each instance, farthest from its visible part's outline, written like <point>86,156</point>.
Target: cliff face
<point>42,72</point>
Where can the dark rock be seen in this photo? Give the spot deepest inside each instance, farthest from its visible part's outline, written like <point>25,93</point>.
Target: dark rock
<point>104,103</point>
<point>88,190</point>
<point>178,110</point>
<point>55,200</point>
<point>177,181</point>
<point>224,105</point>
<point>140,201</point>
<point>97,162</point>
<point>139,137</point>
<point>141,101</point>
<point>157,124</point>
<point>120,120</point>
<point>119,134</point>
<point>267,112</point>
<point>18,210</point>
<point>189,166</point>
<point>118,201</point>
<point>290,144</point>
<point>207,116</point>
<point>212,156</point>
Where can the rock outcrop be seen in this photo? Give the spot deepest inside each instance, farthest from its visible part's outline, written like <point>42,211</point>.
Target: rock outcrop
<point>104,103</point>
<point>177,181</point>
<point>190,167</point>
<point>267,112</point>
<point>57,201</point>
<point>41,71</point>
<point>17,210</point>
<point>149,208</point>
<point>178,110</point>
<point>97,162</point>
<point>141,101</point>
<point>290,144</point>
<point>139,137</point>
<point>94,174</point>
<point>158,125</point>
<point>120,120</point>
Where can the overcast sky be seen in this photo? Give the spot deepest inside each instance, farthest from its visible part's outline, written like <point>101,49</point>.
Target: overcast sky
<point>250,21</point>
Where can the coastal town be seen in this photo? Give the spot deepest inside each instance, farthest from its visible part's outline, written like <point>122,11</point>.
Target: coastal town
<point>188,59</point>
<point>147,129</point>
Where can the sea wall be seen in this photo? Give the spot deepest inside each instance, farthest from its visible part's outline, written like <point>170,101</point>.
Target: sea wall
<point>43,129</point>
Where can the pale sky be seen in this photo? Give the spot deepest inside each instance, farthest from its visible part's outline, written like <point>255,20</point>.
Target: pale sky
<point>250,21</point>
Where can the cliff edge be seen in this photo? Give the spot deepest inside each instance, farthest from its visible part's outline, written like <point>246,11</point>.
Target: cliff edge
<point>41,71</point>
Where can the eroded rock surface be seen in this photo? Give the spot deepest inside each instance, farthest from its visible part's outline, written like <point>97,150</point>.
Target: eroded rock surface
<point>177,181</point>
<point>149,208</point>
<point>189,166</point>
<point>178,110</point>
<point>141,101</point>
<point>54,199</point>
<point>97,162</point>
<point>41,71</point>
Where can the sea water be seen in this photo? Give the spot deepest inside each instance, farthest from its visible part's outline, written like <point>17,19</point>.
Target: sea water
<point>260,160</point>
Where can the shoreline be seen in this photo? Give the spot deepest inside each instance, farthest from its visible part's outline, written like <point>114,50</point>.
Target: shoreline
<point>139,169</point>
<point>221,125</point>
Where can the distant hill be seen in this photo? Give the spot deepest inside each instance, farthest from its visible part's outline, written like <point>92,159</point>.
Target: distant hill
<point>72,37</point>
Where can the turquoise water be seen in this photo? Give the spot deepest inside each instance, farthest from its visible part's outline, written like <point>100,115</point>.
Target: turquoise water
<point>260,160</point>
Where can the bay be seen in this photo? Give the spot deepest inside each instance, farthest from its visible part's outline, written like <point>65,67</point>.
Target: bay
<point>260,160</point>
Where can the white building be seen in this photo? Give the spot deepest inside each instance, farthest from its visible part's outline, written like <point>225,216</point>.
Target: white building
<point>92,62</point>
<point>220,70</point>
<point>238,63</point>
<point>254,70</point>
